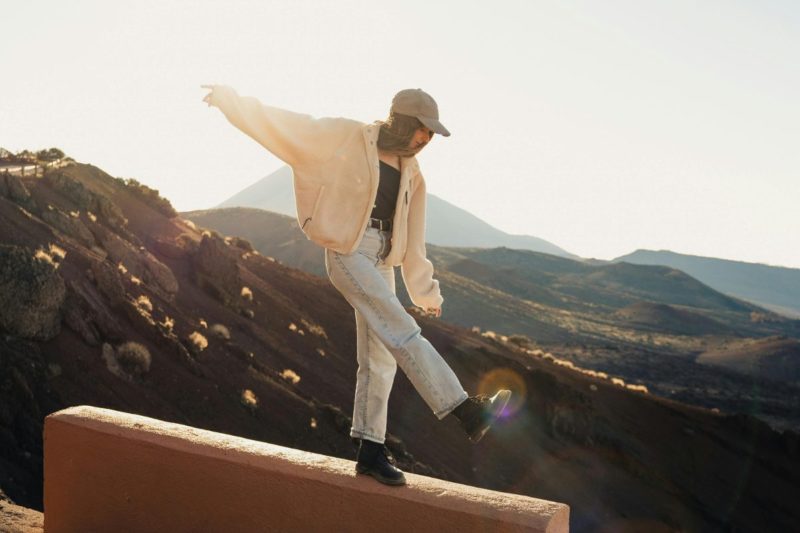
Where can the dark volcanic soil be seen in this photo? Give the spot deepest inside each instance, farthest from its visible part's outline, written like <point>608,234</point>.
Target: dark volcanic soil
<point>622,460</point>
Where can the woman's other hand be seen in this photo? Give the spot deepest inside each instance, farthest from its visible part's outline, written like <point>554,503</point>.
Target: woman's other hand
<point>434,311</point>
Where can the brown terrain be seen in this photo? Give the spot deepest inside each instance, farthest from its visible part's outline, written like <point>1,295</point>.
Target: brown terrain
<point>648,325</point>
<point>108,298</point>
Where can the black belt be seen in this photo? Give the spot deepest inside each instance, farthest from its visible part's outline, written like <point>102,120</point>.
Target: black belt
<point>383,225</point>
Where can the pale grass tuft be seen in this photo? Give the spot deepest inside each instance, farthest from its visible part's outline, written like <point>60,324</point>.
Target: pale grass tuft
<point>122,268</point>
<point>619,382</point>
<point>143,302</point>
<point>75,214</point>
<point>292,327</point>
<point>321,352</point>
<point>198,340</point>
<point>91,216</point>
<point>638,388</point>
<point>203,323</point>
<point>247,294</point>
<point>313,423</point>
<point>476,329</point>
<point>44,256</point>
<point>316,329</point>
<point>290,375</point>
<point>57,251</point>
<point>249,399</point>
<point>135,280</point>
<point>188,223</point>
<point>168,323</point>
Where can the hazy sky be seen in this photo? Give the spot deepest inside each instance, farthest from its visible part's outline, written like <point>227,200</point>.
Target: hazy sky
<point>602,127</point>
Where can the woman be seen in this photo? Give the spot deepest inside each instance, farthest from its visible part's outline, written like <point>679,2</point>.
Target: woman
<point>360,194</point>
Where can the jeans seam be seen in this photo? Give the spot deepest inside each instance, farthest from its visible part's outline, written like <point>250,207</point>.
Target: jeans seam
<point>402,348</point>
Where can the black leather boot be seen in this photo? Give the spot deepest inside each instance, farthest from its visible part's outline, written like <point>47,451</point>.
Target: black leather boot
<point>376,460</point>
<point>477,413</point>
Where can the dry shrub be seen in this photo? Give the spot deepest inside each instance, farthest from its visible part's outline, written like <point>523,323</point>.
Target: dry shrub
<point>520,340</point>
<point>135,280</point>
<point>203,323</point>
<point>220,331</point>
<point>290,375</point>
<point>122,268</point>
<point>249,399</point>
<point>321,352</point>
<point>168,323</point>
<point>91,216</point>
<point>198,341</point>
<point>638,388</point>
<point>618,382</point>
<point>247,294</point>
<point>143,302</point>
<point>316,329</point>
<point>42,255</point>
<point>134,358</point>
<point>57,251</point>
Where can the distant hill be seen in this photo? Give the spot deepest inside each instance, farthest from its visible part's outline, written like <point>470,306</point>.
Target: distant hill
<point>776,288</point>
<point>773,357</point>
<point>447,224</point>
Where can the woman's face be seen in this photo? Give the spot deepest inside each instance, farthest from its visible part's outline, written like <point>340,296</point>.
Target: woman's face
<point>421,138</point>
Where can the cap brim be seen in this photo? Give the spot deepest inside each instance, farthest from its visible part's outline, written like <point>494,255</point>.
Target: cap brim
<point>435,125</point>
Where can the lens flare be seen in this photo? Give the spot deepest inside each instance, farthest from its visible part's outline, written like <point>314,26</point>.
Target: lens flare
<point>505,378</point>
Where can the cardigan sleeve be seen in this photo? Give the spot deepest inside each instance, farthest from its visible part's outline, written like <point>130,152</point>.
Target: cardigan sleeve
<point>295,138</point>
<point>416,269</point>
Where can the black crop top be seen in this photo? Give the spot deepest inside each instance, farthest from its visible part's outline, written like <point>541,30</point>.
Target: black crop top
<point>388,187</point>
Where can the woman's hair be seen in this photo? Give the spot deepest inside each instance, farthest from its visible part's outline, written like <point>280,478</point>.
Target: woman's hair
<point>396,132</point>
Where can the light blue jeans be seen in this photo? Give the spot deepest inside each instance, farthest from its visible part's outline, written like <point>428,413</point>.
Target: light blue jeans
<point>387,336</point>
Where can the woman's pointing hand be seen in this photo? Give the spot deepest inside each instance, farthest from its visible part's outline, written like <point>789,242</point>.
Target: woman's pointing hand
<point>207,98</point>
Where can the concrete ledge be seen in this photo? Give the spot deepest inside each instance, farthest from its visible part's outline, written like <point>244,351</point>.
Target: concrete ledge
<point>112,471</point>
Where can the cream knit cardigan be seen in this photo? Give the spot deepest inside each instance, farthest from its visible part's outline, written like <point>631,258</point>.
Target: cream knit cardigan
<point>336,174</point>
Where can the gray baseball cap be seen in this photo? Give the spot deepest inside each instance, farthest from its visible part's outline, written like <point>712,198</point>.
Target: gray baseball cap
<point>417,103</point>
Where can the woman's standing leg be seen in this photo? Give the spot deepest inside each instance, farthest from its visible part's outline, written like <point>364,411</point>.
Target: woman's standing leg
<point>376,371</point>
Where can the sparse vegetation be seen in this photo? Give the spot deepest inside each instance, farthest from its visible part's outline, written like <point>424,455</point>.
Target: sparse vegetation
<point>290,375</point>
<point>149,196</point>
<point>321,352</point>
<point>520,340</point>
<point>316,329</point>
<point>143,302</point>
<point>247,294</point>
<point>198,342</point>
<point>249,399</point>
<point>220,331</point>
<point>134,358</point>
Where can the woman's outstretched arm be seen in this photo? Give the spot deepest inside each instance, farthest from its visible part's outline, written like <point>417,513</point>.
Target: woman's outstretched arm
<point>297,139</point>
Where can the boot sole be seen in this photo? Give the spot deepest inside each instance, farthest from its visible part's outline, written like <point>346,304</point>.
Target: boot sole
<point>499,402</point>
<point>376,475</point>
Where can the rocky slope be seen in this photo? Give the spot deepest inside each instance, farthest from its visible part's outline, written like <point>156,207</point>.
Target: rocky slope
<point>129,307</point>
